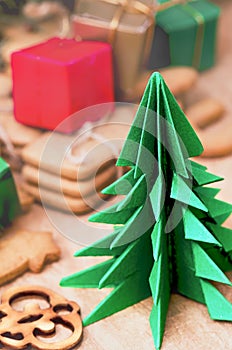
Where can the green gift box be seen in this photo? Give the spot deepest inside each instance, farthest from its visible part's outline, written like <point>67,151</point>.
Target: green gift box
<point>9,202</point>
<point>185,35</point>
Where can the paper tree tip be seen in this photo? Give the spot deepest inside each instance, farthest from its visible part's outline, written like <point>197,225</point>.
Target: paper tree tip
<point>156,76</point>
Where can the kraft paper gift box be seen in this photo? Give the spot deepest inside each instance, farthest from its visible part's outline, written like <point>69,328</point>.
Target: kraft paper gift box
<point>185,34</point>
<point>9,202</point>
<point>59,77</point>
<point>128,29</point>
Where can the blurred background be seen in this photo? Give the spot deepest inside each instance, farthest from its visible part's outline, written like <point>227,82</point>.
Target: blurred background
<point>189,42</point>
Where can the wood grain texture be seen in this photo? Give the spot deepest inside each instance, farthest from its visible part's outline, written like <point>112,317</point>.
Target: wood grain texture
<point>188,323</point>
<point>31,322</point>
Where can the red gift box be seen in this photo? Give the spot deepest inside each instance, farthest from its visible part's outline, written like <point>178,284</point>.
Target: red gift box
<point>56,78</point>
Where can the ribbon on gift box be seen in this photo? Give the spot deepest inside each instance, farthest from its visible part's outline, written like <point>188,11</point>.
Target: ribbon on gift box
<point>134,6</point>
<point>130,6</point>
<point>200,20</point>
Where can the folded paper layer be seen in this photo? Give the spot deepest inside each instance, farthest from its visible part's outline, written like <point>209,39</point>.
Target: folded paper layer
<point>168,233</point>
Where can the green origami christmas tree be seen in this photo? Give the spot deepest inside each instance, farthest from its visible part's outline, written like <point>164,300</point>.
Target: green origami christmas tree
<point>9,202</point>
<point>168,234</point>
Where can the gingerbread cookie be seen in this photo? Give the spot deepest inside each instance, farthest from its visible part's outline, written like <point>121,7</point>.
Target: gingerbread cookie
<point>205,112</point>
<point>26,200</point>
<point>216,140</point>
<point>57,163</point>
<point>24,250</point>
<point>63,202</point>
<point>178,79</point>
<point>68,187</point>
<point>17,151</point>
<point>20,135</point>
<point>79,158</point>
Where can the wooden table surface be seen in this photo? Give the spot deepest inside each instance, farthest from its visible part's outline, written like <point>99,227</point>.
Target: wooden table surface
<point>188,324</point>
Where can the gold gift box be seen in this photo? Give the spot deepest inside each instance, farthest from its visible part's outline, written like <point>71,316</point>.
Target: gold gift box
<point>127,25</point>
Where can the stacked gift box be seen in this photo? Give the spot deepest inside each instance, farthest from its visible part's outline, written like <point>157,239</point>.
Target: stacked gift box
<point>147,36</point>
<point>59,77</point>
<point>114,44</point>
<point>63,76</point>
<point>127,28</point>
<point>185,34</point>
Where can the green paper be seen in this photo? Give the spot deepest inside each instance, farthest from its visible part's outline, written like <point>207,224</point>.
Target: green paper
<point>172,138</point>
<point>9,202</point>
<point>188,284</point>
<point>223,234</point>
<point>89,278</point>
<point>157,320</point>
<point>139,146</point>
<point>102,247</point>
<point>140,221</point>
<point>156,239</point>
<point>128,262</point>
<point>195,230</point>
<point>219,307</point>
<point>207,191</point>
<point>183,193</point>
<point>123,185</point>
<point>197,165</point>
<point>218,208</point>
<point>206,268</point>
<point>129,292</point>
<point>136,196</point>
<point>160,286</point>
<point>113,216</point>
<point>222,218</point>
<point>203,177</point>
<point>133,154</point>
<point>160,267</point>
<point>222,260</point>
<point>157,196</point>
<point>168,233</point>
<point>182,126</point>
<point>185,35</point>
